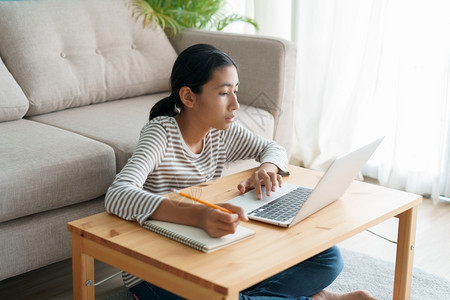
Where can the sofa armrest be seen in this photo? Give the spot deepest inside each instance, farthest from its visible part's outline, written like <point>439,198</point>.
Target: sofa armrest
<point>266,73</point>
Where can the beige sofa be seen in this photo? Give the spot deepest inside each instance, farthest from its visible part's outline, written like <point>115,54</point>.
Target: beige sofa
<point>77,81</point>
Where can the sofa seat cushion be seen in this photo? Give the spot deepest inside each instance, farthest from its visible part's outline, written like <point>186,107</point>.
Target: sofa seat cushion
<point>43,168</point>
<point>256,119</point>
<point>73,53</point>
<point>13,103</point>
<point>119,123</point>
<point>115,123</point>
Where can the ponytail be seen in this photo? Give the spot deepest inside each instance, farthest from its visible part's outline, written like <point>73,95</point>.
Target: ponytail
<point>164,107</point>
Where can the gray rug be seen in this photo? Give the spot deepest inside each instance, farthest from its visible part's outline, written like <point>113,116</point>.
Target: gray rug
<point>377,276</point>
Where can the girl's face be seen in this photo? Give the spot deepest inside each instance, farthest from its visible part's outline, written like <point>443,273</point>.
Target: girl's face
<point>217,103</point>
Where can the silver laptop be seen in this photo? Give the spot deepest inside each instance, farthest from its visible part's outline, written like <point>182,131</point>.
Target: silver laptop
<point>292,203</point>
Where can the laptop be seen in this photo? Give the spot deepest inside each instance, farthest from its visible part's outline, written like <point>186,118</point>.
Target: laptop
<point>292,203</point>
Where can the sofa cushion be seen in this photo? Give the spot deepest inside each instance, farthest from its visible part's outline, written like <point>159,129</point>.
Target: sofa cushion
<point>73,53</point>
<point>115,123</point>
<point>256,119</point>
<point>118,123</point>
<point>43,168</point>
<point>13,103</point>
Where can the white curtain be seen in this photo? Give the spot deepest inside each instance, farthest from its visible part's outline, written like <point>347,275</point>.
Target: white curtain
<point>338,64</point>
<point>369,68</point>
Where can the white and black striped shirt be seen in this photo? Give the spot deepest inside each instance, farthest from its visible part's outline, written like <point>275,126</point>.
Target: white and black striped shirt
<point>162,161</point>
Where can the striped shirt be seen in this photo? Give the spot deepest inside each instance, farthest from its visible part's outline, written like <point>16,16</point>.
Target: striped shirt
<point>162,161</point>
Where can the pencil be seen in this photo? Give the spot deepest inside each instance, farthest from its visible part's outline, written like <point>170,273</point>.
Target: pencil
<point>201,201</point>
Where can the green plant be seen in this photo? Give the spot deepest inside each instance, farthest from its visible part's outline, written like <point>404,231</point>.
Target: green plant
<point>174,15</point>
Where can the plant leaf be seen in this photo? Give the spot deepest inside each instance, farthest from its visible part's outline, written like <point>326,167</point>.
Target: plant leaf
<point>174,15</point>
<point>227,20</point>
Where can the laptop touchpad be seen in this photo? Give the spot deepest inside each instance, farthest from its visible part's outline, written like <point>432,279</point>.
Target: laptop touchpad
<point>249,202</point>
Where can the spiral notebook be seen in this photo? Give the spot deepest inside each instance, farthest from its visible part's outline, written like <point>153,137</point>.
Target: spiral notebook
<point>195,237</point>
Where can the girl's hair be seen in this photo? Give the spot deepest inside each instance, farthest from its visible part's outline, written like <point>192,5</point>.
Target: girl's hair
<point>193,68</point>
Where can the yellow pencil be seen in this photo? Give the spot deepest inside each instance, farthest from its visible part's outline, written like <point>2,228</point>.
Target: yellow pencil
<point>201,201</point>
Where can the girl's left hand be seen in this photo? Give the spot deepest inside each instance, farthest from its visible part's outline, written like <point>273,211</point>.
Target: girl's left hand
<point>267,176</point>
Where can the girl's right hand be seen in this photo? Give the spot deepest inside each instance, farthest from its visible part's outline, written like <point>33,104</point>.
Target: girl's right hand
<point>217,223</point>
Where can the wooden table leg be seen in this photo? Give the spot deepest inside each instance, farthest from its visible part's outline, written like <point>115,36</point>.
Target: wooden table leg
<point>82,270</point>
<point>405,253</point>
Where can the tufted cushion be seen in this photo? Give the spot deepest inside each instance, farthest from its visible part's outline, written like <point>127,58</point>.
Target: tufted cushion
<point>13,103</point>
<point>74,53</point>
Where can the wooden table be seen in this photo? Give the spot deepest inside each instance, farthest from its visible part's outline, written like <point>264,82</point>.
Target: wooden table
<point>222,274</point>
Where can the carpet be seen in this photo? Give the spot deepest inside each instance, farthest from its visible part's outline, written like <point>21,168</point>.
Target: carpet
<point>377,276</point>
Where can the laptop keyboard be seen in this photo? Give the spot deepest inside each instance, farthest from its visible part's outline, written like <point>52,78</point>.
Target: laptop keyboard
<point>285,207</point>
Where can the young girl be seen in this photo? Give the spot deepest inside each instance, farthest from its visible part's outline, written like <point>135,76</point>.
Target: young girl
<point>190,136</point>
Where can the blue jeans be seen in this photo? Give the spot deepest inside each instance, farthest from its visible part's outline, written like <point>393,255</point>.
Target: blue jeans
<point>298,282</point>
